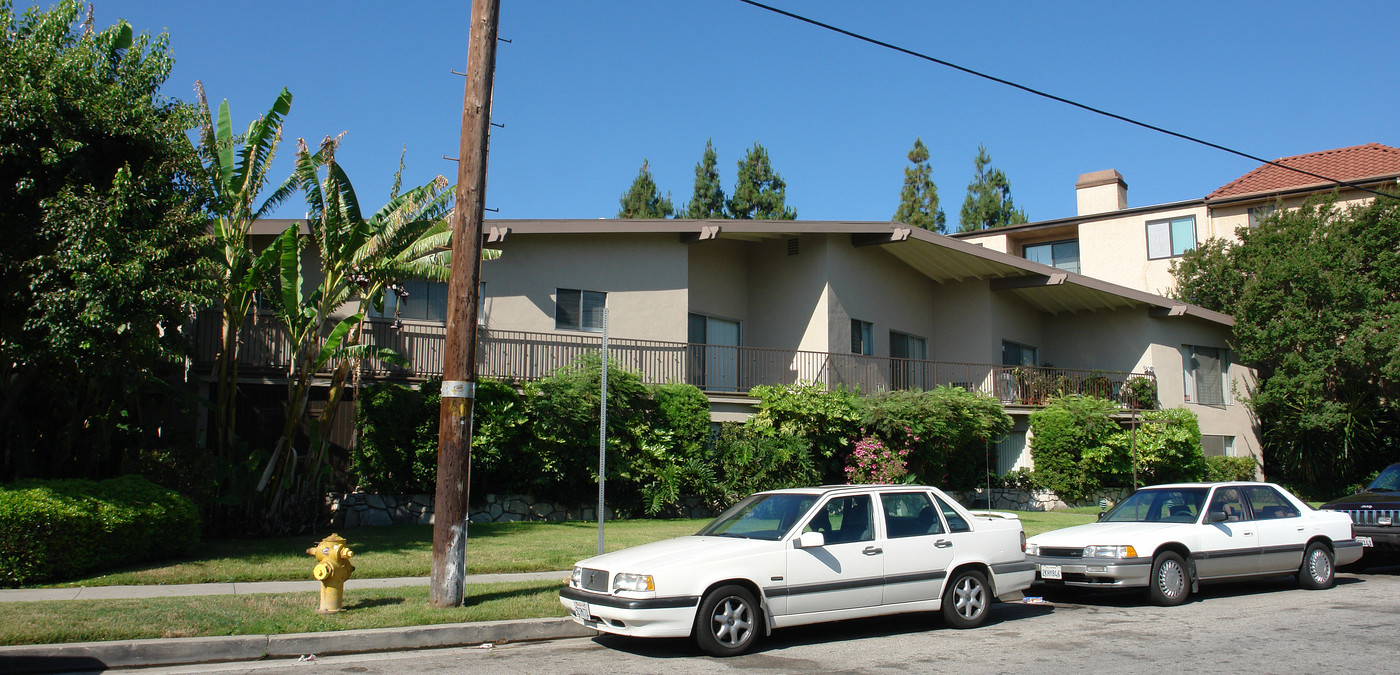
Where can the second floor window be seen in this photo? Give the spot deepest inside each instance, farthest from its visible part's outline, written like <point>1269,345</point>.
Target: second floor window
<point>905,346</point>
<point>1061,254</point>
<point>1017,354</point>
<point>862,337</point>
<point>419,301</point>
<point>579,310</point>
<point>1207,374</point>
<point>1170,238</point>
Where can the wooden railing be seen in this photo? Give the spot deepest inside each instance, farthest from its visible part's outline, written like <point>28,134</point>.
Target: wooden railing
<point>522,356</point>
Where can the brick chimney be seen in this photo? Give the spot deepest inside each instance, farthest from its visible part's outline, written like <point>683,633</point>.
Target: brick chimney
<point>1101,192</point>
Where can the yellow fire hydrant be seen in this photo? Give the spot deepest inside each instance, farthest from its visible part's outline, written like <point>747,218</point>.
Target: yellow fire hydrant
<point>332,569</point>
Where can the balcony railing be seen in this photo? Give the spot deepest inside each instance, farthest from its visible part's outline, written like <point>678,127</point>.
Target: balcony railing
<point>521,356</point>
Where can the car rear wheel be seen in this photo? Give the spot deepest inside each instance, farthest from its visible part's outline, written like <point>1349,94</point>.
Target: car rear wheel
<point>966,600</point>
<point>1170,583</point>
<point>1318,571</point>
<point>727,624</point>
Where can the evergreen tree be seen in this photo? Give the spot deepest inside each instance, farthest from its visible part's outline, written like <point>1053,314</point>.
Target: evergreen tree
<point>643,199</point>
<point>759,192</point>
<point>918,202</point>
<point>988,202</point>
<point>708,199</point>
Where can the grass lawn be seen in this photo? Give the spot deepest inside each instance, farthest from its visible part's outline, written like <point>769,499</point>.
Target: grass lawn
<point>379,552</point>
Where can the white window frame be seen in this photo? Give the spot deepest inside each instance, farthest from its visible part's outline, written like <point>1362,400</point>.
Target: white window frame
<point>1189,362</point>
<point>1164,232</point>
<point>1050,247</point>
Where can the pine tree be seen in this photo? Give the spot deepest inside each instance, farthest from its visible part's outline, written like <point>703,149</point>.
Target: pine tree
<point>918,202</point>
<point>708,199</point>
<point>643,199</point>
<point>759,192</point>
<point>988,202</point>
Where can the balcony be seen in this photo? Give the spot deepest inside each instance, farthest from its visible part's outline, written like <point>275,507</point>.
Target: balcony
<point>522,356</point>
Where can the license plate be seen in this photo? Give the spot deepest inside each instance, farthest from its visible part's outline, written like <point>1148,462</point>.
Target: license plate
<point>581,611</point>
<point>1366,542</point>
<point>1050,572</point>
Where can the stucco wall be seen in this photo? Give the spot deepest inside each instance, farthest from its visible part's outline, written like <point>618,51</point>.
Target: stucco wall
<point>644,275</point>
<point>719,280</point>
<point>787,295</point>
<point>1115,249</point>
<point>869,284</point>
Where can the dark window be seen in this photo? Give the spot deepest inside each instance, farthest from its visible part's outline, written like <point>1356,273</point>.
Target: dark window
<point>1268,504</point>
<point>1016,354</point>
<point>862,337</point>
<point>1218,446</point>
<point>579,310</point>
<point>956,523</point>
<point>416,301</point>
<point>910,514</point>
<point>1061,254</point>
<point>843,520</point>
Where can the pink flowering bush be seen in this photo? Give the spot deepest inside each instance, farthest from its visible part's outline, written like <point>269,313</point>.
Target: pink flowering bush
<point>872,462</point>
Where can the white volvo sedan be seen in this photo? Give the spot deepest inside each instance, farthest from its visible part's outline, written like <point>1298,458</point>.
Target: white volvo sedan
<point>1167,538</point>
<point>801,556</point>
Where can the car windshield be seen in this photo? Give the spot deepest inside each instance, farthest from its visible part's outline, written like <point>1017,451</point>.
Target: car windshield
<point>766,517</point>
<point>1163,505</point>
<point>1388,481</point>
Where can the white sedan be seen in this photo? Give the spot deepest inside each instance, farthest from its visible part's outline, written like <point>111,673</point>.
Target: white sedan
<point>1166,538</point>
<point>801,556</point>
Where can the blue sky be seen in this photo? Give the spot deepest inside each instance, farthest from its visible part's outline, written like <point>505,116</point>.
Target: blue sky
<point>587,90</point>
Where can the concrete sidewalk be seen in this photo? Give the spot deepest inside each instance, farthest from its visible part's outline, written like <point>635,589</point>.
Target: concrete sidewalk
<point>96,656</point>
<point>246,588</point>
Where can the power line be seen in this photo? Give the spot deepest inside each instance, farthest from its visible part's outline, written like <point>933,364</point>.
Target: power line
<point>1059,99</point>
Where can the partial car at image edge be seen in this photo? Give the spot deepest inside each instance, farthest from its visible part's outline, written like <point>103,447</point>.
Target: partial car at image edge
<point>1375,514</point>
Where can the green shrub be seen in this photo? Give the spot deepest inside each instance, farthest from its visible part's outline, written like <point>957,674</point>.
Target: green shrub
<point>57,530</point>
<point>947,429</point>
<point>1141,392</point>
<point>1220,467</point>
<point>1069,445</point>
<point>746,461</point>
<point>396,452</point>
<point>1168,451</point>
<point>829,421</point>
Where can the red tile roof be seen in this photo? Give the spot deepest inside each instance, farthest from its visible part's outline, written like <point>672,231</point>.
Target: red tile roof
<point>1356,163</point>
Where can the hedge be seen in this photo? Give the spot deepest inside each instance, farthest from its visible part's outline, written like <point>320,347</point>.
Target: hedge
<point>59,530</point>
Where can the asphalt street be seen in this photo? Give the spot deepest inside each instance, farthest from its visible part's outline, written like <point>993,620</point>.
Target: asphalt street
<point>1252,627</point>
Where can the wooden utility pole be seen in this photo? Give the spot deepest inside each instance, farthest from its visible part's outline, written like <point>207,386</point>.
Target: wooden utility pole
<point>459,358</point>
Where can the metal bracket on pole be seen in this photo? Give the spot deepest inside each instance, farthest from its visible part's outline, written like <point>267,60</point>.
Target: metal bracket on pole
<point>458,389</point>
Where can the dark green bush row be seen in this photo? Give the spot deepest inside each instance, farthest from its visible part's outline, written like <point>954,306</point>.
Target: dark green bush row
<point>1220,467</point>
<point>55,530</point>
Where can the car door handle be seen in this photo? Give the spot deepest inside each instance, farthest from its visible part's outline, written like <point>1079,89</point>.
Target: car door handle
<point>873,550</point>
<point>942,543</point>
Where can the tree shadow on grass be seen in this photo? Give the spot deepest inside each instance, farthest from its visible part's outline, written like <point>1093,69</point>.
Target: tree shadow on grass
<point>375,602</point>
<point>474,600</point>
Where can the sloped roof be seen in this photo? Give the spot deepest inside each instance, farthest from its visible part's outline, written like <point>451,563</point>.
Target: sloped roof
<point>1356,164</point>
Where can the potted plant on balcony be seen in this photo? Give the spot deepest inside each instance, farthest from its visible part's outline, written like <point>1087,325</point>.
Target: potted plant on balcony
<point>1140,392</point>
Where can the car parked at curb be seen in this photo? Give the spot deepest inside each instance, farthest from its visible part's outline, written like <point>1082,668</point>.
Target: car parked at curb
<point>1168,538</point>
<point>800,556</point>
<point>1375,514</point>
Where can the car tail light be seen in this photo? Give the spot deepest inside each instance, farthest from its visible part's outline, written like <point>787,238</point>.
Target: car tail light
<point>1023,541</point>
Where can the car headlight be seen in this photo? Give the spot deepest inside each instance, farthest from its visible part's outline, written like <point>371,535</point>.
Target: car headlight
<point>1109,552</point>
<point>1032,549</point>
<point>576,579</point>
<point>633,582</point>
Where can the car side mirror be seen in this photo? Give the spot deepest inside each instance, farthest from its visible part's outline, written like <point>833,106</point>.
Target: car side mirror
<point>1215,517</point>
<point>1102,514</point>
<point>811,540</point>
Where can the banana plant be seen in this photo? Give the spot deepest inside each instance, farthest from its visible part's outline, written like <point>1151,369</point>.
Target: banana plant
<point>235,171</point>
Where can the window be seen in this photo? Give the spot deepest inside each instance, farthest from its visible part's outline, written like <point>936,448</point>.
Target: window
<point>843,520</point>
<point>714,353</point>
<point>1207,373</point>
<point>1061,254</point>
<point>1218,446</point>
<point>909,374</point>
<point>956,523</point>
<point>910,514</point>
<point>418,300</point>
<point>579,310</point>
<point>862,337</point>
<point>1017,354</point>
<point>1227,501</point>
<point>1268,504</point>
<point>1258,214</point>
<point>1170,238</point>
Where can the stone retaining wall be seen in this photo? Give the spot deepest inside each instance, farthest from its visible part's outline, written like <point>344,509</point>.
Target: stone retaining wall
<point>1013,499</point>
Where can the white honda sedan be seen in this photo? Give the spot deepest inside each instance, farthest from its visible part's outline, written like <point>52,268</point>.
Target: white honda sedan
<point>801,556</point>
<point>1166,538</point>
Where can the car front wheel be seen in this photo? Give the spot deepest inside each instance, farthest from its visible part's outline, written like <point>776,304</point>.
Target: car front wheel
<point>1170,583</point>
<point>966,599</point>
<point>727,624</point>
<point>1317,571</point>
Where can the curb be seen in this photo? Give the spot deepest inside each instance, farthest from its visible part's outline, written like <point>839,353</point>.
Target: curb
<point>183,651</point>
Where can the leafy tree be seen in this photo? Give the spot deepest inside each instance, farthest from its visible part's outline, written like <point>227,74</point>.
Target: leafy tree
<point>947,428</point>
<point>1314,292</point>
<point>708,199</point>
<point>101,218</point>
<point>759,192</point>
<point>1069,439</point>
<point>828,420</point>
<point>918,201</point>
<point>988,203</point>
<point>235,172</point>
<point>643,199</point>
